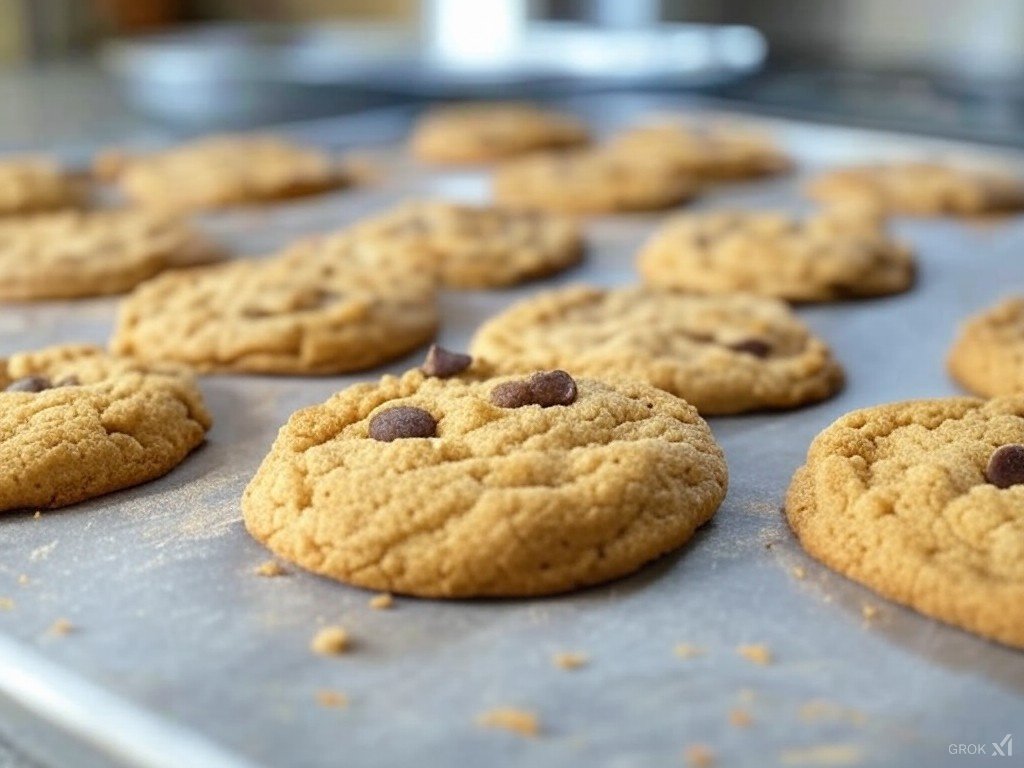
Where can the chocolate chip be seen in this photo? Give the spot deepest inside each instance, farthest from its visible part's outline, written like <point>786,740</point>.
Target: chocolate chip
<point>511,394</point>
<point>29,384</point>
<point>1006,466</point>
<point>544,389</point>
<point>754,347</point>
<point>443,363</point>
<point>402,421</point>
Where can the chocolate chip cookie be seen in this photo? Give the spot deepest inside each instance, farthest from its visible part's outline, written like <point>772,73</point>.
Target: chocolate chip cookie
<point>481,133</point>
<point>30,184</point>
<point>836,254</point>
<point>70,255</point>
<point>923,502</point>
<point>79,423</point>
<point>477,246</point>
<point>311,310</point>
<point>723,354</point>
<point>443,487</point>
<point>988,355</point>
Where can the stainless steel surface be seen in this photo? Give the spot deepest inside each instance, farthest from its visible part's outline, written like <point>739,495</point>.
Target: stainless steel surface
<point>176,631</point>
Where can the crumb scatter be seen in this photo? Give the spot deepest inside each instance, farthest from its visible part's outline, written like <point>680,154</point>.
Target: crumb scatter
<point>519,721</point>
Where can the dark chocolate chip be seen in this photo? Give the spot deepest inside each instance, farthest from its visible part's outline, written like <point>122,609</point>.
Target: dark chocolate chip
<point>1006,466</point>
<point>512,394</point>
<point>443,363</point>
<point>552,388</point>
<point>402,421</point>
<point>67,381</point>
<point>754,347</point>
<point>29,384</point>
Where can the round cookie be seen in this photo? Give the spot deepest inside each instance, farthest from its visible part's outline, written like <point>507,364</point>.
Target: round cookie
<point>723,354</point>
<point>590,181</point>
<point>909,500</point>
<point>221,171</point>
<point>70,255</point>
<point>836,254</point>
<point>514,500</point>
<point>988,355</point>
<point>481,133</point>
<point>78,423</point>
<point>920,189</point>
<point>30,184</point>
<point>311,310</point>
<point>479,247</point>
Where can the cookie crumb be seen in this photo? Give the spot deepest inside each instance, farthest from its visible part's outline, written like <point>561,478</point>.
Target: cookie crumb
<point>798,572</point>
<point>61,628</point>
<point>868,611</point>
<point>37,515</point>
<point>740,718</point>
<point>687,651</point>
<point>520,721</point>
<point>699,756</point>
<point>6,604</point>
<point>330,641</point>
<point>756,654</point>
<point>333,699</point>
<point>382,602</point>
<point>270,569</point>
<point>24,580</point>
<point>570,660</point>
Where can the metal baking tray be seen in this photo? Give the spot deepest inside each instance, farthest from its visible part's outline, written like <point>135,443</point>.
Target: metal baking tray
<point>183,657</point>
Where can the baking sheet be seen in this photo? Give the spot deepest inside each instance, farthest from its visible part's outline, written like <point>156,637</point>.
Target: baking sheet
<point>182,656</point>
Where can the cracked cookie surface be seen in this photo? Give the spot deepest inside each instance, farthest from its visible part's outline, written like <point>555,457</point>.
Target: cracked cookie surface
<point>30,184</point>
<point>723,354</point>
<point>896,498</point>
<point>326,305</point>
<point>988,355</point>
<point>824,257</point>
<point>502,502</point>
<point>89,424</point>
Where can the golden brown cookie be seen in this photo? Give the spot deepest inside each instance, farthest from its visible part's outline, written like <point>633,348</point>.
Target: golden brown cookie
<point>470,486</point>
<point>221,171</point>
<point>479,246</point>
<point>70,255</point>
<point>836,254</point>
<point>920,189</point>
<point>312,310</point>
<point>485,132</point>
<point>78,423</point>
<point>988,355</point>
<point>723,354</point>
<point>30,184</point>
<point>923,502</point>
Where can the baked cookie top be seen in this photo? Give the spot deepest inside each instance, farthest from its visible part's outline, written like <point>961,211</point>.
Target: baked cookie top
<point>480,133</point>
<point>988,355</point>
<point>835,254</point>
<point>323,306</point>
<point>473,486</point>
<point>479,246</point>
<point>69,255</point>
<point>30,184</point>
<point>221,171</point>
<point>923,502</point>
<point>922,189</point>
<point>590,181</point>
<point>723,354</point>
<point>707,150</point>
<point>77,423</point>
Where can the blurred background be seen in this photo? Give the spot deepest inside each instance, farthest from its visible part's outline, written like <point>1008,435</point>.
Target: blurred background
<point>104,69</point>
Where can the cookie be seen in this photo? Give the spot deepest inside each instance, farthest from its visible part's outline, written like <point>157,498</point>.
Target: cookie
<point>837,254</point>
<point>576,483</point>
<point>70,255</point>
<point>310,310</point>
<point>920,189</point>
<point>923,502</point>
<point>723,354</point>
<point>481,133</point>
<point>479,247</point>
<point>708,151</point>
<point>590,181</point>
<point>222,171</point>
<point>78,423</point>
<point>988,355</point>
<point>31,184</point>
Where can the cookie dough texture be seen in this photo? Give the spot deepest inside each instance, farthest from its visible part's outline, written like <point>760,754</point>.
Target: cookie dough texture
<point>122,425</point>
<point>71,255</point>
<point>690,346</point>
<point>222,171</point>
<point>479,247</point>
<point>480,133</point>
<point>895,497</point>
<point>824,257</point>
<point>327,305</point>
<point>590,181</point>
<point>988,355</point>
<point>503,502</point>
<point>920,189</point>
<point>30,184</point>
